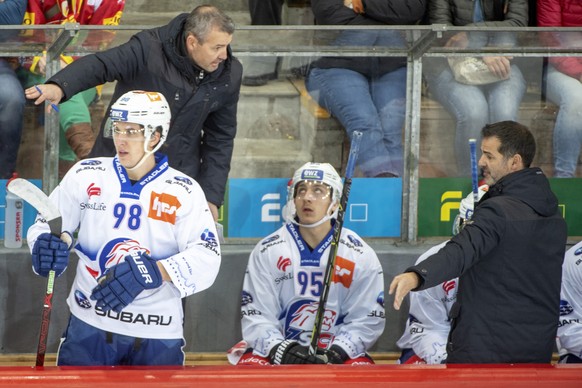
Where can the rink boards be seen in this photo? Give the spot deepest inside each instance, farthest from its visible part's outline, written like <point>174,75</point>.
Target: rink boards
<point>298,376</point>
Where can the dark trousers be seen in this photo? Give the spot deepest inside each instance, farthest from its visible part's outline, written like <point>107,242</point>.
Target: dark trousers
<point>265,12</point>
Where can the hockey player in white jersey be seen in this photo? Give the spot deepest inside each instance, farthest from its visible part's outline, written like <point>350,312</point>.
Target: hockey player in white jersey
<point>284,279</point>
<point>145,240</point>
<point>427,328</point>
<point>569,337</point>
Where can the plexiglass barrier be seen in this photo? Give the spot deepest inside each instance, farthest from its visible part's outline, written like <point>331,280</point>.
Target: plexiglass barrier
<point>283,120</point>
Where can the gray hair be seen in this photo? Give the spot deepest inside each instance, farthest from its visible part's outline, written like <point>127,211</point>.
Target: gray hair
<point>204,18</point>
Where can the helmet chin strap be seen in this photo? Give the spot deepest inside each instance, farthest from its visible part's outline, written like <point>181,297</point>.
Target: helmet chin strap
<point>141,161</point>
<point>145,155</point>
<point>325,218</point>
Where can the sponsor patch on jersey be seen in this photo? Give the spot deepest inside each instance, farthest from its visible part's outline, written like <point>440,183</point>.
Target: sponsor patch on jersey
<point>578,252</point>
<point>380,298</point>
<point>163,207</point>
<point>246,298</point>
<point>355,241</point>
<point>82,300</point>
<point>270,239</point>
<point>449,285</point>
<point>412,319</point>
<point>565,307</point>
<point>183,179</point>
<point>283,263</point>
<point>344,271</point>
<point>211,241</point>
<point>90,162</point>
<point>93,190</point>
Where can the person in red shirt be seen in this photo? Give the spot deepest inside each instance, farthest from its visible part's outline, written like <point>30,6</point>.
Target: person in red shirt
<point>564,82</point>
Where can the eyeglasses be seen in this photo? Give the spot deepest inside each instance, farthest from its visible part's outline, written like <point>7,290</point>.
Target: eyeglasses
<point>312,190</point>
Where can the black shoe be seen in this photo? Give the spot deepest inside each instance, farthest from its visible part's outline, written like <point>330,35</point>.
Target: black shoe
<point>259,80</point>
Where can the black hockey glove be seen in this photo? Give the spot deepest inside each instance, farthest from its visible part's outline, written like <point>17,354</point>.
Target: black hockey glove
<point>290,352</point>
<point>125,281</point>
<point>333,355</point>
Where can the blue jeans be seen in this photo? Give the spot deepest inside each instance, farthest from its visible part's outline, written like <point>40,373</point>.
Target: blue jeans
<point>375,106</point>
<point>12,103</point>
<point>566,92</point>
<point>474,106</point>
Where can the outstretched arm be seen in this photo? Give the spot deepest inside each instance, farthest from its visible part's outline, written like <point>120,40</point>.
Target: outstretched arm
<point>401,285</point>
<point>41,93</point>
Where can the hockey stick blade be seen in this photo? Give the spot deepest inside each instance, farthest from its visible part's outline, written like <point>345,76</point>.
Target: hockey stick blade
<point>337,230</point>
<point>41,202</point>
<point>38,200</point>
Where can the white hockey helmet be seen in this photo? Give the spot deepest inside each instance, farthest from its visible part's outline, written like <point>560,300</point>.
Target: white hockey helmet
<point>466,209</point>
<point>316,172</point>
<point>148,109</point>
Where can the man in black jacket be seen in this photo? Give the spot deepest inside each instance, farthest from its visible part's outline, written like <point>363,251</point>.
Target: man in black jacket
<point>190,62</point>
<point>508,259</point>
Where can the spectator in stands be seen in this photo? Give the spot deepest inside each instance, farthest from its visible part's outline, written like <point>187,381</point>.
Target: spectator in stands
<point>76,134</point>
<point>428,325</point>
<point>569,339</point>
<point>564,83</point>
<point>11,94</point>
<point>284,277</point>
<point>508,259</point>
<point>261,70</point>
<point>366,94</point>
<point>473,106</point>
<point>189,61</point>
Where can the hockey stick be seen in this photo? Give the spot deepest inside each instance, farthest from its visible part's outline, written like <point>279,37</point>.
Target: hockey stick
<point>474,173</point>
<point>337,229</point>
<point>40,201</point>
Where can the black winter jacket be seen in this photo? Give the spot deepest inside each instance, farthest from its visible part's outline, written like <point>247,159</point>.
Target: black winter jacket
<point>377,13</point>
<point>203,127</point>
<point>509,264</point>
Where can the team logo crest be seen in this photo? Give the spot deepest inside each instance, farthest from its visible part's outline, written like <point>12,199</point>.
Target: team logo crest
<point>301,318</point>
<point>114,252</point>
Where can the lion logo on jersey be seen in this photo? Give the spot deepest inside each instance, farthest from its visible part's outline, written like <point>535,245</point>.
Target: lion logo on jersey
<point>114,252</point>
<point>300,319</point>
